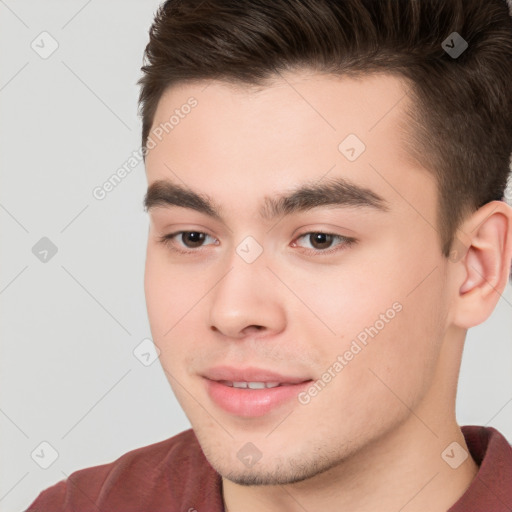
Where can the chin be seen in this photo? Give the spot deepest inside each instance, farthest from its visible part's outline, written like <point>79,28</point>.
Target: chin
<point>277,473</point>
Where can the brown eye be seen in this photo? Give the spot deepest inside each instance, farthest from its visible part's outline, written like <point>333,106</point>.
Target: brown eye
<point>183,240</point>
<point>322,243</point>
<point>321,240</point>
<point>192,239</point>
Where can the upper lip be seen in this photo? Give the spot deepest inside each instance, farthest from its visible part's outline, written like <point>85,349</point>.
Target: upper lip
<point>250,374</point>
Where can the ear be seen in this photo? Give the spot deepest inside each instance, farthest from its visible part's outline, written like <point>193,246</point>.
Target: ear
<point>483,258</point>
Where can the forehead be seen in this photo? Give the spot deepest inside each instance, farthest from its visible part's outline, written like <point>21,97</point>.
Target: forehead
<point>300,127</point>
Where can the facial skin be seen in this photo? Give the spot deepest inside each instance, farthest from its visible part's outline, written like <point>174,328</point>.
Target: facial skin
<point>372,438</point>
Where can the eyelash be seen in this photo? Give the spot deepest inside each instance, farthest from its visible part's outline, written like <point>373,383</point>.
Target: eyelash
<point>167,240</point>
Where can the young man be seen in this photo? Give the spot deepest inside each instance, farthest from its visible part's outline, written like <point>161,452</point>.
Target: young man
<point>326,223</point>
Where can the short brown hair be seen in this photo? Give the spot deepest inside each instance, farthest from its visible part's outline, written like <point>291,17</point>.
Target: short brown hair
<point>461,124</point>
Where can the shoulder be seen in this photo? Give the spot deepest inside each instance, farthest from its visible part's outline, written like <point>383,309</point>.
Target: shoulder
<point>163,473</point>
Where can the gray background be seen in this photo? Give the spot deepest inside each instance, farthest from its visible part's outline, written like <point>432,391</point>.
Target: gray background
<point>70,325</point>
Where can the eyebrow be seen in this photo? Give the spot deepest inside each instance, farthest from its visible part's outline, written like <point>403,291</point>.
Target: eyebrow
<point>335,192</point>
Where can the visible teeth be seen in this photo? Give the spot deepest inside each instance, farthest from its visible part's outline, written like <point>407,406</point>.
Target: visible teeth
<point>253,385</point>
<point>256,385</point>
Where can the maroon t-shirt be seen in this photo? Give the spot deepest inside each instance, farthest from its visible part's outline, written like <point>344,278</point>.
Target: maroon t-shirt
<point>174,476</point>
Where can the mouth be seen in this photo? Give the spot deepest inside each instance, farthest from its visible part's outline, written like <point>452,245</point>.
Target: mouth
<point>251,392</point>
<point>253,385</point>
<point>230,375</point>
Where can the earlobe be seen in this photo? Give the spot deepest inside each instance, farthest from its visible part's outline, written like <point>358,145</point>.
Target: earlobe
<point>485,263</point>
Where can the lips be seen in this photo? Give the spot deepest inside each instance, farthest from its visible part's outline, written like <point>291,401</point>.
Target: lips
<point>250,374</point>
<point>251,392</point>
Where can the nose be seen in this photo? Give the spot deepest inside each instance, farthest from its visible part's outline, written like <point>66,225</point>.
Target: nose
<point>247,300</point>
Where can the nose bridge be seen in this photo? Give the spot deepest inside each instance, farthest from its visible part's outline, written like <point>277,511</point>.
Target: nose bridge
<point>245,296</point>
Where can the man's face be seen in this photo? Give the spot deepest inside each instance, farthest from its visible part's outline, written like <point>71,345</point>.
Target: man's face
<point>350,323</point>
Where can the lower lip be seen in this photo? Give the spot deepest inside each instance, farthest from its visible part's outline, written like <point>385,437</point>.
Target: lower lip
<point>251,403</point>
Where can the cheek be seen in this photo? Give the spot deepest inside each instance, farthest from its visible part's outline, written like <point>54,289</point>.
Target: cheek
<point>157,292</point>
<point>393,365</point>
<point>346,300</point>
<point>168,296</point>
<point>400,355</point>
<point>390,329</point>
<point>174,296</point>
